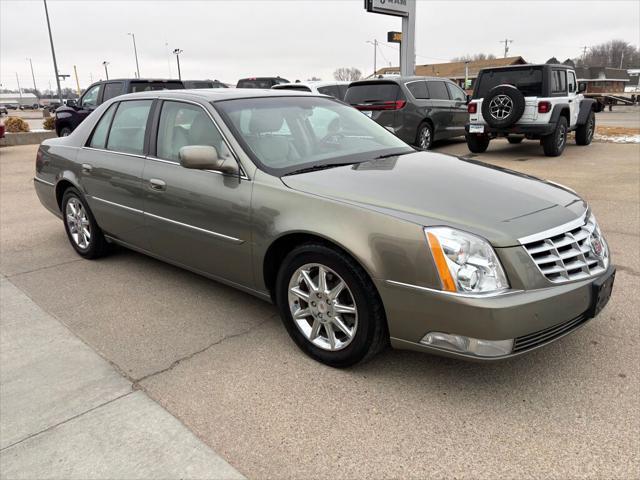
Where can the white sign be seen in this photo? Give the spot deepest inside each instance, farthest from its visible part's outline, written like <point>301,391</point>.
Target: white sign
<point>399,8</point>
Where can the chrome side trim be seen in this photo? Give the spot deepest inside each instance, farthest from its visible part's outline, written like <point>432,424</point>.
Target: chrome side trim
<point>499,293</point>
<point>39,180</point>
<point>114,152</point>
<point>243,175</point>
<point>131,209</point>
<point>552,232</point>
<point>198,229</point>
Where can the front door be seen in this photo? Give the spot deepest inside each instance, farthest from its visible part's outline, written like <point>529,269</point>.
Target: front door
<point>197,218</point>
<point>574,98</point>
<point>458,108</point>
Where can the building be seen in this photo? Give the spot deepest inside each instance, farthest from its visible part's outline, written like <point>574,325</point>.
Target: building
<point>603,79</point>
<point>634,80</point>
<point>18,99</point>
<point>456,70</point>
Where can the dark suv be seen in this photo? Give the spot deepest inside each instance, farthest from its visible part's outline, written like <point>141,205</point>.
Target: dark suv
<point>69,116</point>
<point>260,82</point>
<point>419,110</point>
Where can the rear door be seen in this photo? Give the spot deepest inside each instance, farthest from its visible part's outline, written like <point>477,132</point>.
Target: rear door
<point>111,170</point>
<point>458,109</point>
<point>380,100</point>
<point>442,111</point>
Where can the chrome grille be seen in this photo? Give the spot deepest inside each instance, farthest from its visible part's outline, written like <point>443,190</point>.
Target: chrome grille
<point>565,253</point>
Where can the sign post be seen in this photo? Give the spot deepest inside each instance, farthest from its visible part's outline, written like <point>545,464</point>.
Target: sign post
<point>407,10</point>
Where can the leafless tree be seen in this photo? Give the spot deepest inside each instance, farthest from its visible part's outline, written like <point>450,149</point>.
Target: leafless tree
<point>474,57</point>
<point>348,74</point>
<point>614,54</point>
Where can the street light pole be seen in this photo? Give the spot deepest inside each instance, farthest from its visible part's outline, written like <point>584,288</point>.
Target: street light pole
<point>177,53</point>
<point>106,72</point>
<point>135,52</point>
<point>33,77</point>
<point>53,52</point>
<point>375,51</point>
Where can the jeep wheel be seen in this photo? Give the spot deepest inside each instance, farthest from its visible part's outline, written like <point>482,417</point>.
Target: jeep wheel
<point>584,133</point>
<point>503,106</point>
<point>515,140</point>
<point>477,143</point>
<point>554,144</point>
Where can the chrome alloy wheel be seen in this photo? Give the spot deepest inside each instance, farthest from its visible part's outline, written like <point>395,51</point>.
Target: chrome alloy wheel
<point>78,223</point>
<point>322,307</point>
<point>591,128</point>
<point>424,139</point>
<point>500,106</point>
<point>562,136</point>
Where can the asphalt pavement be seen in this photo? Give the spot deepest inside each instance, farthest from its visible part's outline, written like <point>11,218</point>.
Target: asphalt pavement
<point>222,364</point>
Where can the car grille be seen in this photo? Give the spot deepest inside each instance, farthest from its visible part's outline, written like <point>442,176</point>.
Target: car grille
<point>567,255</point>
<point>527,342</point>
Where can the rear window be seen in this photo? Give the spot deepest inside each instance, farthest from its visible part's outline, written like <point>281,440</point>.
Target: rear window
<point>372,93</point>
<point>527,80</point>
<point>302,88</point>
<point>148,86</point>
<point>255,84</point>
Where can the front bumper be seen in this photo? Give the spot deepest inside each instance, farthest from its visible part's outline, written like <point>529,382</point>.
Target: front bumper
<point>532,318</point>
<point>538,129</point>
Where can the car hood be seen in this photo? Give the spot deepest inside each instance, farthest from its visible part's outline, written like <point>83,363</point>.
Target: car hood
<point>436,189</point>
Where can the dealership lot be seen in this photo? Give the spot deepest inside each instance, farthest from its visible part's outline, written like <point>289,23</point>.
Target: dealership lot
<point>221,362</point>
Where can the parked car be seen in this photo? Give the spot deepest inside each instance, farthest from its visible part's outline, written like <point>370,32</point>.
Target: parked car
<point>69,116</point>
<point>359,239</point>
<point>204,84</point>
<point>33,106</point>
<point>537,102</point>
<point>11,106</point>
<point>419,110</point>
<point>334,89</point>
<point>260,82</point>
<point>3,110</point>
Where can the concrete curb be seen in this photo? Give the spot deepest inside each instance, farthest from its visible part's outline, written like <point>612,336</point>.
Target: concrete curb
<point>26,138</point>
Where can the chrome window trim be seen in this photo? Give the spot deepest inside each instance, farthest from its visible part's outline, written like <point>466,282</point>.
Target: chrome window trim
<point>198,229</point>
<point>115,152</point>
<point>552,232</point>
<point>39,180</point>
<point>131,209</point>
<point>243,175</point>
<point>497,293</point>
<point>215,124</point>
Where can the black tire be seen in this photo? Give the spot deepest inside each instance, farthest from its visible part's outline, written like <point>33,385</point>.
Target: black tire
<point>515,140</point>
<point>424,136</point>
<point>507,103</point>
<point>371,335</point>
<point>584,133</point>
<point>97,245</point>
<point>477,143</point>
<point>65,131</point>
<point>553,145</point>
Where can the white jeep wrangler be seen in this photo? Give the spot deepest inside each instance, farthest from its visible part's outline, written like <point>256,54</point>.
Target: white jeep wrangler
<point>535,102</point>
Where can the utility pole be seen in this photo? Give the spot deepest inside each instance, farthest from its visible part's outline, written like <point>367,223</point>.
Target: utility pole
<point>53,51</point>
<point>106,72</point>
<point>584,53</point>
<point>135,52</point>
<point>466,74</point>
<point>19,89</point>
<point>375,50</point>
<point>621,59</point>
<point>75,71</point>
<point>506,42</point>
<point>177,53</point>
<point>35,89</point>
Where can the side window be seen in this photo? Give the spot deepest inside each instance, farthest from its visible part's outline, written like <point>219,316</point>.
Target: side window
<point>559,81</point>
<point>128,127</point>
<point>183,124</point>
<point>111,90</point>
<point>90,97</point>
<point>99,137</point>
<point>456,93</point>
<point>332,90</point>
<point>418,89</point>
<point>572,82</point>
<point>438,90</point>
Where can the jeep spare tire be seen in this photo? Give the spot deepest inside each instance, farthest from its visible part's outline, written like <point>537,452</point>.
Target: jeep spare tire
<point>503,106</point>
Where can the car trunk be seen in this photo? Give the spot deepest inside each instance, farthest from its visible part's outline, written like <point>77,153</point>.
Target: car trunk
<point>381,101</point>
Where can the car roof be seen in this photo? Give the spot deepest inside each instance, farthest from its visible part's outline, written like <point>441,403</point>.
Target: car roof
<point>314,83</point>
<point>530,65</point>
<point>218,94</point>
<point>407,79</point>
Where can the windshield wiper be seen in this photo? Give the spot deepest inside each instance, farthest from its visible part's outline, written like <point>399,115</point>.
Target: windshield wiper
<point>395,154</point>
<point>314,168</point>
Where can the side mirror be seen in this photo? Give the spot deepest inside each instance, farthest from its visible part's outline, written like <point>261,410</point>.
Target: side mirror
<point>468,98</point>
<point>71,103</point>
<point>200,157</point>
<point>582,87</point>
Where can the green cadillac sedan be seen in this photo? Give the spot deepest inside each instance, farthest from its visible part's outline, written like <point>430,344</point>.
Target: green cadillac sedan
<point>359,240</point>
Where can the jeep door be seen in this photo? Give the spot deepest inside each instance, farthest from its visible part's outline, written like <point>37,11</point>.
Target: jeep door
<point>441,109</point>
<point>574,100</point>
<point>197,218</point>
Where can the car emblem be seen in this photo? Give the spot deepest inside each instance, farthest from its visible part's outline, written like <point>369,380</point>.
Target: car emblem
<point>500,106</point>
<point>597,247</point>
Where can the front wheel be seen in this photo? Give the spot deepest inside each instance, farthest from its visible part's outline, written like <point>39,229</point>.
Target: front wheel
<point>329,306</point>
<point>477,143</point>
<point>424,138</point>
<point>553,145</point>
<point>82,230</point>
<point>584,133</point>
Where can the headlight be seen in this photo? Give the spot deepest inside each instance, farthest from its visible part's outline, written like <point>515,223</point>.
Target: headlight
<point>465,263</point>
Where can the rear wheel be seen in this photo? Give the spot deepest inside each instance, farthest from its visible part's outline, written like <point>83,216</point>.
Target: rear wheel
<point>477,143</point>
<point>424,138</point>
<point>584,133</point>
<point>329,306</point>
<point>515,140</point>
<point>82,230</point>
<point>64,131</point>
<point>553,145</point>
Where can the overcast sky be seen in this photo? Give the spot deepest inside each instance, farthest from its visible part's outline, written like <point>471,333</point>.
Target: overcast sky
<point>296,39</point>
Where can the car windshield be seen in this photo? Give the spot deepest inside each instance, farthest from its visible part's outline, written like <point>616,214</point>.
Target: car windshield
<point>527,80</point>
<point>286,134</point>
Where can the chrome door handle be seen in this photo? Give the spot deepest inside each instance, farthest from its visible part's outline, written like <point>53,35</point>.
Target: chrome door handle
<point>86,168</point>
<point>157,184</point>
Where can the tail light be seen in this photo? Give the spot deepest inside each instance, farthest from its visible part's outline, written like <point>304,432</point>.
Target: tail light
<point>39,160</point>
<point>544,107</point>
<point>472,107</point>
<point>388,105</point>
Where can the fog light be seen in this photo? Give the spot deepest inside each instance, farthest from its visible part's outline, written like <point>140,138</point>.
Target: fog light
<point>468,345</point>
